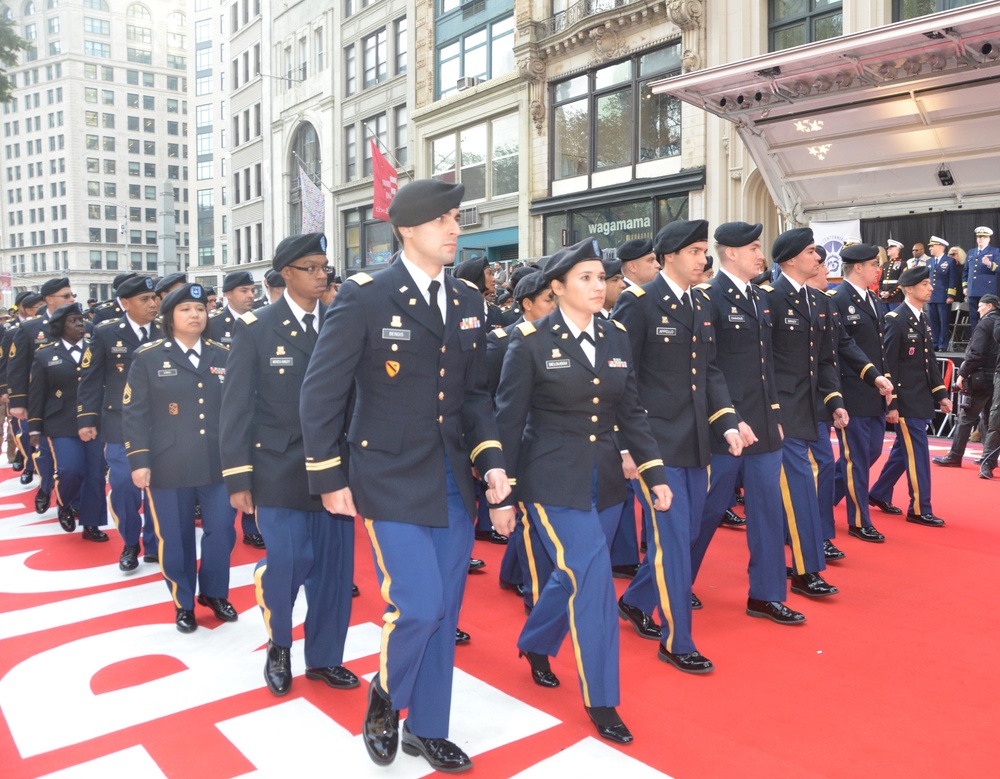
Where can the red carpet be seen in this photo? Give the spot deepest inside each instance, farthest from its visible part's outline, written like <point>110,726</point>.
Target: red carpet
<point>892,677</point>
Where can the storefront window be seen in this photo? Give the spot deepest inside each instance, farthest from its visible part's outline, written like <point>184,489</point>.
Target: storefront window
<point>367,241</point>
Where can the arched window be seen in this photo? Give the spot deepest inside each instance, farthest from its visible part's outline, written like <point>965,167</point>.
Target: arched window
<point>51,4</point>
<point>136,11</point>
<point>176,19</point>
<point>96,5</point>
<point>303,204</point>
<point>29,8</point>
<point>6,13</point>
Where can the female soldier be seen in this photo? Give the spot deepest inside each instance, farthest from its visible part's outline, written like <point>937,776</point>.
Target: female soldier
<point>564,386</point>
<point>79,465</point>
<point>171,411</point>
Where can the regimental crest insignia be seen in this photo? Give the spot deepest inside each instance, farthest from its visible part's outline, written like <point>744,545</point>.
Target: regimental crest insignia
<point>391,368</point>
<point>173,410</point>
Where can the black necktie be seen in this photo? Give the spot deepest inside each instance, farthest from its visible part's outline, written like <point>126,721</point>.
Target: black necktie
<point>585,336</point>
<point>144,336</point>
<point>307,323</point>
<point>749,294</point>
<point>871,302</point>
<point>194,354</point>
<point>75,350</point>
<point>433,288</point>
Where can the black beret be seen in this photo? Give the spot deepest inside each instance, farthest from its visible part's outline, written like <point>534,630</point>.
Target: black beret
<point>52,286</point>
<point>821,251</point>
<point>634,249</point>
<point>737,234</point>
<point>913,276</point>
<point>993,300</point>
<point>680,233</point>
<point>57,322</point>
<point>168,281</point>
<point>31,299</point>
<point>136,285</point>
<point>122,277</point>
<point>237,278</point>
<point>709,262</point>
<point>473,270</point>
<point>423,200</point>
<point>332,278</point>
<point>190,291</point>
<point>22,295</point>
<point>530,285</point>
<point>209,291</point>
<point>790,243</point>
<point>612,268</point>
<point>858,252</point>
<point>274,279</point>
<point>296,246</point>
<point>519,273</point>
<point>564,259</point>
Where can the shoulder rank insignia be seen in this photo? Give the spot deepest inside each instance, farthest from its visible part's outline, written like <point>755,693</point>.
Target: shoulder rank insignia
<point>526,328</point>
<point>620,326</point>
<point>470,284</point>
<point>360,278</point>
<point>636,290</point>
<point>703,286</point>
<point>831,292</point>
<point>109,322</point>
<point>45,345</point>
<point>216,343</point>
<point>767,287</point>
<point>499,333</point>
<point>893,314</point>
<point>249,318</point>
<point>150,345</point>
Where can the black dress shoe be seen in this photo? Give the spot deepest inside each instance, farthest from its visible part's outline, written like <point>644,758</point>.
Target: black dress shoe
<point>927,520</point>
<point>774,610</point>
<point>27,477</point>
<point>866,534</point>
<point>640,620</point>
<point>492,536</point>
<point>948,461</point>
<point>381,728</point>
<point>812,585</point>
<point>441,753</point>
<point>831,553</point>
<point>355,592</point>
<point>642,547</point>
<point>185,621</point>
<point>518,589</point>
<point>475,565</point>
<point>278,668</point>
<point>609,725</point>
<point>689,662</point>
<point>884,506</point>
<point>985,471</point>
<point>461,637</point>
<point>94,533</point>
<point>335,676</point>
<point>541,671</point>
<point>222,608</point>
<point>256,540</point>
<point>67,519</point>
<point>696,602</point>
<point>741,499</point>
<point>732,520</point>
<point>151,558</point>
<point>624,571</point>
<point>129,559</point>
<point>17,465</point>
<point>42,500</point>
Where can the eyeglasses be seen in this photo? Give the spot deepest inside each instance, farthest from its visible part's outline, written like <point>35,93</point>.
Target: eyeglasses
<point>66,296</point>
<point>315,270</point>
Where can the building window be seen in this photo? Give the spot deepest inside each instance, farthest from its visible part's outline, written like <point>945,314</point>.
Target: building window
<point>367,241</point>
<point>305,154</point>
<point>350,70</point>
<point>401,45</point>
<point>483,54</point>
<point>610,118</point>
<point>375,127</point>
<point>911,9</point>
<point>318,43</point>
<point>95,49</point>
<point>375,58</point>
<point>350,153</point>
<point>795,22</point>
<point>402,135</point>
<point>483,156</point>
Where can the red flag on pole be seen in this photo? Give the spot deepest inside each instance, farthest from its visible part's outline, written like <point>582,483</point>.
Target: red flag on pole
<point>385,183</point>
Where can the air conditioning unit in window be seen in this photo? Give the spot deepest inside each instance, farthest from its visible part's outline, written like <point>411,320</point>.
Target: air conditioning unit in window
<point>468,217</point>
<point>468,81</point>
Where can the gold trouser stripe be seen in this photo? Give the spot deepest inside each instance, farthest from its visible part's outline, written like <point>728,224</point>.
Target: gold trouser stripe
<point>561,564</point>
<point>661,578</point>
<point>721,413</point>
<point>849,476</point>
<point>911,467</point>
<point>333,462</point>
<point>530,551</point>
<point>815,468</point>
<point>159,547</point>
<point>830,397</point>
<point>258,580</point>
<point>865,370</point>
<point>482,447</point>
<point>646,466</point>
<point>55,472</point>
<point>390,617</point>
<point>798,561</point>
<point>17,442</point>
<point>238,469</point>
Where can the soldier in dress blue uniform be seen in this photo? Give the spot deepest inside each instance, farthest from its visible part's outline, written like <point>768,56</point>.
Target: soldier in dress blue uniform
<point>26,303</point>
<point>910,358</point>
<point>805,367</point>
<point>264,467</point>
<point>945,274</point>
<point>863,319</point>
<point>888,285</point>
<point>741,322</point>
<point>28,337</point>
<point>979,274</point>
<point>113,308</point>
<point>526,576</point>
<point>566,381</point>
<point>168,284</point>
<point>105,368</point>
<point>52,400</point>
<point>411,343</point>
<point>684,393</point>
<point>275,285</point>
<point>170,416</point>
<point>238,288</point>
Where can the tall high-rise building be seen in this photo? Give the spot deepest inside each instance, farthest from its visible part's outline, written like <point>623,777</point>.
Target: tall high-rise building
<point>96,128</point>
